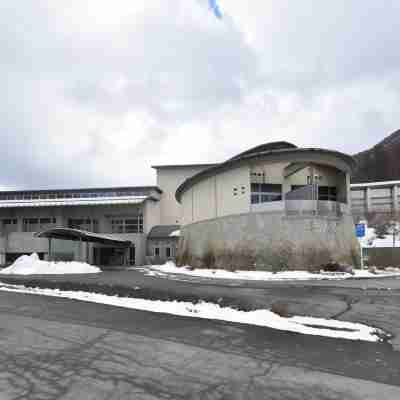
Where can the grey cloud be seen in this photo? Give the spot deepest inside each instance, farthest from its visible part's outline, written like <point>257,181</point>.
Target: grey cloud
<point>70,96</point>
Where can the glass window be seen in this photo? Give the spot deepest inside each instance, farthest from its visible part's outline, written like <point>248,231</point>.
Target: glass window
<point>265,192</point>
<point>130,225</point>
<point>327,193</point>
<point>83,224</point>
<point>156,251</point>
<point>168,252</point>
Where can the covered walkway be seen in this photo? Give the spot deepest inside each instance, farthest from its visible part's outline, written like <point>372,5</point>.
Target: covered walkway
<point>82,237</point>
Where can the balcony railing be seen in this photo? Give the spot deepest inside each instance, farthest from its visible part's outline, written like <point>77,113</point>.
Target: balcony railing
<point>308,201</point>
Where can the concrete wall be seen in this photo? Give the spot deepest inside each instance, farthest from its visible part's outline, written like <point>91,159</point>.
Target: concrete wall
<point>168,180</point>
<point>268,241</point>
<point>151,215</point>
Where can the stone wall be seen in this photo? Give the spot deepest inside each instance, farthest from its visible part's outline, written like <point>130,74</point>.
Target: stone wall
<point>270,241</point>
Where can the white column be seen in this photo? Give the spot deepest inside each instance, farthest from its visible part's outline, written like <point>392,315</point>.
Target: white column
<point>395,198</point>
<point>368,199</point>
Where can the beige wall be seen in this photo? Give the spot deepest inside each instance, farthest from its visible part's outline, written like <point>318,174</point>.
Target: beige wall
<point>227,202</point>
<point>168,180</point>
<point>151,215</point>
<point>216,196</point>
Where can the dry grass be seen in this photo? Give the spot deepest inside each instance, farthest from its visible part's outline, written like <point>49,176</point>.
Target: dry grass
<point>282,309</point>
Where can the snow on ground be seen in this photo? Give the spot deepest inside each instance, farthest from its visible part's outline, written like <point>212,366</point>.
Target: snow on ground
<point>371,240</point>
<point>266,318</point>
<point>32,265</point>
<point>171,268</point>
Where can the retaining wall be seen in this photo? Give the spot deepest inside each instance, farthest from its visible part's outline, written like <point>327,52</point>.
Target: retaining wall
<point>270,241</point>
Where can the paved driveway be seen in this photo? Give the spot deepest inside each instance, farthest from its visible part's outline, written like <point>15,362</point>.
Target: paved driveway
<point>374,302</point>
<point>53,348</point>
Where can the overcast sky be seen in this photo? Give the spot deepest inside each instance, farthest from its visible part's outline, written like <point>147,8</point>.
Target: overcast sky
<point>94,92</point>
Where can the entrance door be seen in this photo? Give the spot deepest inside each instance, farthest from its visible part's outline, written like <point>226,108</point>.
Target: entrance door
<point>132,255</point>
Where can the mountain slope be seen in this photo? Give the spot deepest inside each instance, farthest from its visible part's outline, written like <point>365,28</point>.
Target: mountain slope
<point>380,163</point>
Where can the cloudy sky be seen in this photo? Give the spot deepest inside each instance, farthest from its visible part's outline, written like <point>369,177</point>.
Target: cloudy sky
<point>94,92</point>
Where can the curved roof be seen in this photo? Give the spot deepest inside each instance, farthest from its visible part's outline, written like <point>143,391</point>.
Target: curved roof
<point>84,236</point>
<point>266,147</point>
<point>274,151</point>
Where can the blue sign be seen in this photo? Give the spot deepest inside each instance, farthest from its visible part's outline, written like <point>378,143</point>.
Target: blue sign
<point>360,230</point>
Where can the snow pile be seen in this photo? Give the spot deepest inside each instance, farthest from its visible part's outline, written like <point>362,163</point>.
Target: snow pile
<point>171,268</point>
<point>266,318</point>
<point>371,240</point>
<point>32,265</point>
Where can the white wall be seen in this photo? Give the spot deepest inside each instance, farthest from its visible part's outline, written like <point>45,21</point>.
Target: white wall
<point>151,215</point>
<point>168,180</point>
<point>216,196</point>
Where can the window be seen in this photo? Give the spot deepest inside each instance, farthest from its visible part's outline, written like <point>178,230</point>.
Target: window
<point>130,225</point>
<point>10,225</point>
<point>84,224</point>
<point>38,224</point>
<point>156,252</point>
<point>265,192</point>
<point>327,193</point>
<point>168,252</point>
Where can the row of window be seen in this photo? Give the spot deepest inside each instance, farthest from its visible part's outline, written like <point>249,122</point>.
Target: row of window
<point>37,224</point>
<point>69,195</point>
<point>129,225</point>
<point>169,252</point>
<point>84,224</point>
<point>120,225</point>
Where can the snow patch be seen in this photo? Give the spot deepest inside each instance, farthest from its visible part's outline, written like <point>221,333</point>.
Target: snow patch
<point>176,233</point>
<point>266,318</point>
<point>171,268</point>
<point>32,265</point>
<point>371,240</point>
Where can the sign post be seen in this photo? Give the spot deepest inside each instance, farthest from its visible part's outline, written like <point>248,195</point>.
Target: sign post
<point>360,233</point>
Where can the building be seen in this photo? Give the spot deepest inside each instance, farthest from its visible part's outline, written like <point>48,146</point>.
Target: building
<point>291,204</point>
<point>272,206</point>
<point>102,226</point>
<point>375,197</point>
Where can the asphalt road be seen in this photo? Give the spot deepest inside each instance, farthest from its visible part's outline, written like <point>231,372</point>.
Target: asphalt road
<point>52,348</point>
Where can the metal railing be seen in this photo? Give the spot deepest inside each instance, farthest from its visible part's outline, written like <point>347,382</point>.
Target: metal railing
<point>306,201</point>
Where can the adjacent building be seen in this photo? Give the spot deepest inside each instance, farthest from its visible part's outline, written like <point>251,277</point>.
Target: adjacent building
<point>375,197</point>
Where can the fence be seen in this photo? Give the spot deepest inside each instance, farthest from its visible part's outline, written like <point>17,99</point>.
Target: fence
<point>305,201</point>
<point>383,256</point>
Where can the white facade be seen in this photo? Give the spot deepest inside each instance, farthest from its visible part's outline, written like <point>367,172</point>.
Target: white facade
<point>375,197</point>
<point>169,177</point>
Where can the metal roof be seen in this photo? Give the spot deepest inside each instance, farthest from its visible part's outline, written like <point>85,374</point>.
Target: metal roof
<point>374,184</point>
<point>184,165</point>
<point>89,189</point>
<point>84,236</point>
<point>95,201</point>
<point>162,231</point>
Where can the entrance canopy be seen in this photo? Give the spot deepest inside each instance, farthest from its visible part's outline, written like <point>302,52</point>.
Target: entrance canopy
<point>83,236</point>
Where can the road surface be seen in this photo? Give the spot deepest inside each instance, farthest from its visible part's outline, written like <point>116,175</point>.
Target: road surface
<point>53,348</point>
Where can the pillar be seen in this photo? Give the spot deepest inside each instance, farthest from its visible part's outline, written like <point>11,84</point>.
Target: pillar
<point>395,198</point>
<point>368,199</point>
<point>50,250</point>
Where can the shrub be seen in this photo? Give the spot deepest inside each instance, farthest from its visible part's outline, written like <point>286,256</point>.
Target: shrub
<point>282,309</point>
<point>208,260</point>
